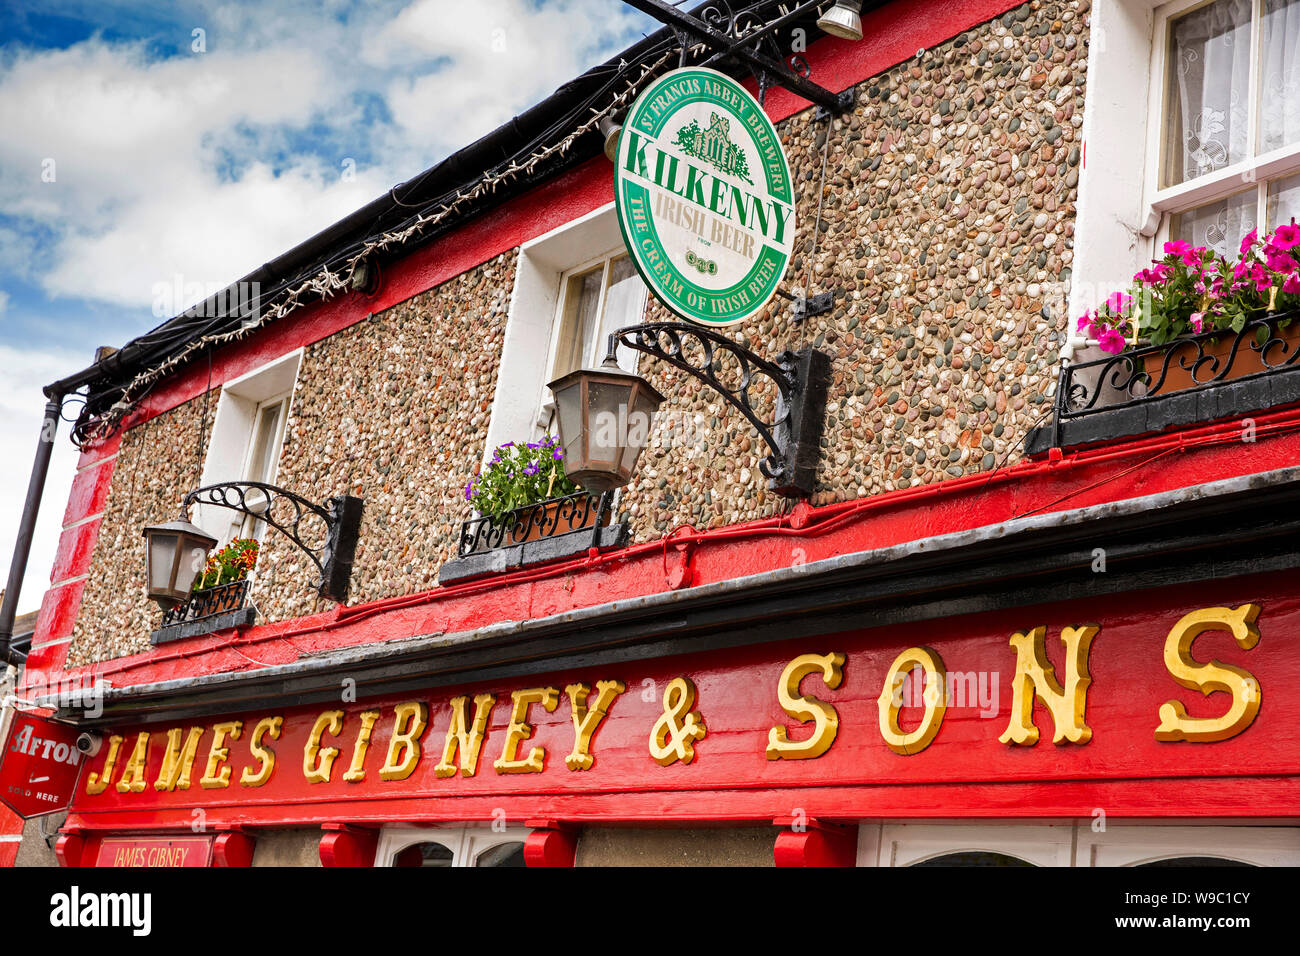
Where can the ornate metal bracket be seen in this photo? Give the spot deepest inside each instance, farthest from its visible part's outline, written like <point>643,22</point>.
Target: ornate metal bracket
<point>285,512</point>
<point>742,35</point>
<point>793,434</point>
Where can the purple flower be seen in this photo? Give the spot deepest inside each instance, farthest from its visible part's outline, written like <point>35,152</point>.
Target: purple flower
<point>557,454</point>
<point>531,470</point>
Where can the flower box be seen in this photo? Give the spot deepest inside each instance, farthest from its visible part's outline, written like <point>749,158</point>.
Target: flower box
<point>1198,360</point>
<point>545,519</point>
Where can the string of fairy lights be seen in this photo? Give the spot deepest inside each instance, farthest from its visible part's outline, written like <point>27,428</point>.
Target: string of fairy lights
<point>332,278</point>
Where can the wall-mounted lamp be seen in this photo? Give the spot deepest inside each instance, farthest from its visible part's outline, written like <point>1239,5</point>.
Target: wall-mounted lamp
<point>605,414</point>
<point>176,551</point>
<point>844,20</point>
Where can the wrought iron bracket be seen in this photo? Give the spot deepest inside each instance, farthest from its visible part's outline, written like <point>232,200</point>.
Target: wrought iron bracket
<point>802,379</point>
<point>741,36</point>
<point>285,512</point>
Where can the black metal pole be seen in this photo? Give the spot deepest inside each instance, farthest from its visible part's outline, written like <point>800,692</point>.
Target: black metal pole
<point>26,527</point>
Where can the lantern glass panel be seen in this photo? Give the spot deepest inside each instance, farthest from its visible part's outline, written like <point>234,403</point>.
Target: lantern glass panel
<point>568,405</point>
<point>606,422</point>
<point>162,559</point>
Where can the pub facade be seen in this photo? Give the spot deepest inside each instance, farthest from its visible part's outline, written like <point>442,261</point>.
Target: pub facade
<point>927,538</point>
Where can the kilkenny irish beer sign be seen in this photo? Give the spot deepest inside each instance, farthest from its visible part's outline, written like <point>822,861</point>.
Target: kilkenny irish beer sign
<point>704,197</point>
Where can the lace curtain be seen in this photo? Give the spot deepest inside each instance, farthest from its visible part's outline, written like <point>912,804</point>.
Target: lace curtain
<point>1280,75</point>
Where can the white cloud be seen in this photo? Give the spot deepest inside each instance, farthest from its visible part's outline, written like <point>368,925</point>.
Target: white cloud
<point>21,410</point>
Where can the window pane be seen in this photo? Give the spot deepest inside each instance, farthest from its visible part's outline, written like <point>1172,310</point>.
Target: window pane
<point>624,305</point>
<point>424,854</point>
<point>264,450</point>
<point>1207,92</point>
<point>974,858</point>
<point>581,300</point>
<point>1219,225</point>
<point>1283,202</point>
<point>1279,121</point>
<point>504,854</point>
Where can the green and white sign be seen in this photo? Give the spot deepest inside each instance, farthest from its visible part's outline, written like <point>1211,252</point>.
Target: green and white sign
<point>704,197</point>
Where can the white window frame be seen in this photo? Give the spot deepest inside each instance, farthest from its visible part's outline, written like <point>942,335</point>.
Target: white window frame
<point>233,429</point>
<point>1076,843</point>
<point>466,844</point>
<point>533,319</point>
<point>1257,171</point>
<point>1120,221</point>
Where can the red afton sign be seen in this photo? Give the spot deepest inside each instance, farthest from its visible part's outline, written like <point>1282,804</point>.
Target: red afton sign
<point>39,766</point>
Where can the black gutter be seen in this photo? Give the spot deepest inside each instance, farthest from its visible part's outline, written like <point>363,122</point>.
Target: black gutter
<point>26,526</point>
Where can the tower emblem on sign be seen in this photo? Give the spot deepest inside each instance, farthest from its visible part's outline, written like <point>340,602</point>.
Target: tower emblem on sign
<point>714,146</point>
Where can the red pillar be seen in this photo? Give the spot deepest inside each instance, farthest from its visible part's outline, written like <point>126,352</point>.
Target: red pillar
<point>346,845</point>
<point>809,843</point>
<point>550,844</point>
<point>233,848</point>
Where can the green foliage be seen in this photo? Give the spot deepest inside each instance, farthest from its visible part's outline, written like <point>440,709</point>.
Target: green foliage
<point>232,563</point>
<point>520,475</point>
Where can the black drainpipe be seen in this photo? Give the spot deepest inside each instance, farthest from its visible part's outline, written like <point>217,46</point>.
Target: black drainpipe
<point>23,546</point>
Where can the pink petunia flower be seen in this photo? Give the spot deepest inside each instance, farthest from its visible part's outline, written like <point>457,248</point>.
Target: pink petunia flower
<point>1292,284</point>
<point>1117,302</point>
<point>1177,248</point>
<point>1111,340</point>
<point>1286,237</point>
<point>1249,241</point>
<point>1198,321</point>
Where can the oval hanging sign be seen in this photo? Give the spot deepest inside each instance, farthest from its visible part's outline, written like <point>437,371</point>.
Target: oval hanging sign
<point>704,197</point>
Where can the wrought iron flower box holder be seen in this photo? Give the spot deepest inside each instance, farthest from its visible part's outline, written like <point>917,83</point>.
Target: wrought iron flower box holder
<point>545,519</point>
<point>1189,379</point>
<point>209,602</point>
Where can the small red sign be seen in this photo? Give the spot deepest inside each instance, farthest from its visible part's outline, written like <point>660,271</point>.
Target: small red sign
<point>39,767</point>
<point>155,851</point>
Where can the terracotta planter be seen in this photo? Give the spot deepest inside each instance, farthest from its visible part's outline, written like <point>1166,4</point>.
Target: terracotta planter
<point>556,516</point>
<point>1247,361</point>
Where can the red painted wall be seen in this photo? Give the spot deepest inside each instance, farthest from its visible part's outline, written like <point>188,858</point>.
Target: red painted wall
<point>966,771</point>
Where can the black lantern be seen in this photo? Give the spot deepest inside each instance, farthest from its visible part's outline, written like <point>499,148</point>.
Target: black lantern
<point>605,416</point>
<point>175,554</point>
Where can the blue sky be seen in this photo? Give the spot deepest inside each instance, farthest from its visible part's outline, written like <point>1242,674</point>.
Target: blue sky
<point>149,143</point>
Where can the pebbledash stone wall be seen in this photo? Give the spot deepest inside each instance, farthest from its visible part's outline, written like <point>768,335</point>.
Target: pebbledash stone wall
<point>393,409</point>
<point>156,464</point>
<point>947,231</point>
<point>947,234</point>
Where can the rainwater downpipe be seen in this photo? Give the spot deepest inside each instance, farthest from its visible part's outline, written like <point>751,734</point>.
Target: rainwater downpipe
<point>26,527</point>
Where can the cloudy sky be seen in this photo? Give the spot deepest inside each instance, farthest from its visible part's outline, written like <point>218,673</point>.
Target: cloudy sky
<point>147,142</point>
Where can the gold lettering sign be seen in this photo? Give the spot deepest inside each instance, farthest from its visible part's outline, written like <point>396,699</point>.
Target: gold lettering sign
<point>356,772</point>
<point>1035,678</point>
<point>587,720</point>
<point>177,760</point>
<point>215,776</point>
<point>461,742</point>
<point>265,756</point>
<point>409,721</point>
<point>1207,678</point>
<point>805,708</point>
<point>132,779</point>
<point>520,730</point>
<point>97,783</point>
<point>935,699</point>
<point>317,761</point>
